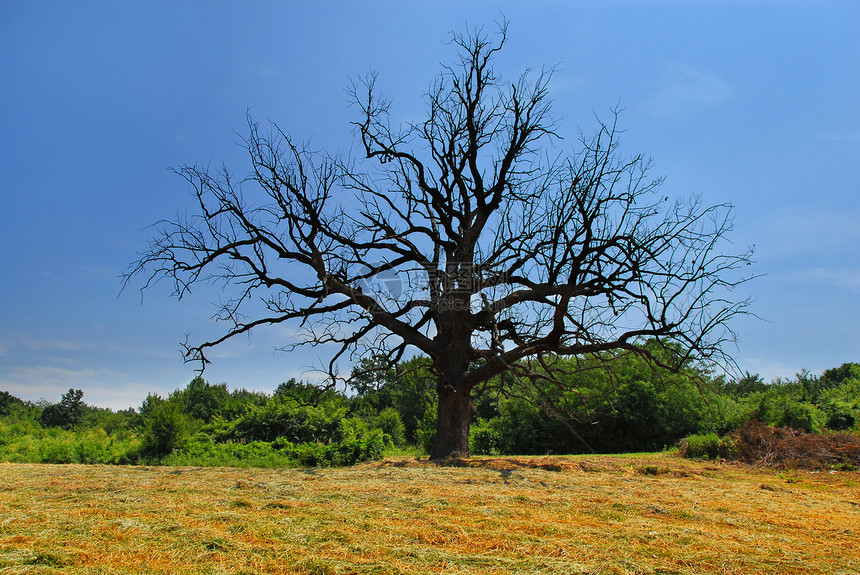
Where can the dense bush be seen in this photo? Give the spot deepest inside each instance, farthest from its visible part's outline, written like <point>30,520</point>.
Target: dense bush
<point>484,439</point>
<point>840,415</point>
<point>26,441</point>
<point>355,443</point>
<point>802,416</point>
<point>388,421</point>
<point>165,429</point>
<point>709,446</point>
<point>287,419</point>
<point>611,403</point>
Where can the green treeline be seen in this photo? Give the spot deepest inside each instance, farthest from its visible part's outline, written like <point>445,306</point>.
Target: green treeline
<point>606,404</point>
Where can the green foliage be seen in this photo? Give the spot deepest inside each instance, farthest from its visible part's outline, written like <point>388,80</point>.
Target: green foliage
<point>802,416</point>
<point>150,403</point>
<point>389,422</point>
<point>484,439</point>
<point>425,430</point>
<point>201,400</point>
<point>414,397</point>
<point>838,376</point>
<point>304,393</point>
<point>300,434</point>
<point>788,403</point>
<point>199,451</point>
<point>165,429</point>
<point>68,413</point>
<point>841,415</point>
<point>114,423</point>
<point>355,443</point>
<point>607,404</point>
<point>708,446</point>
<point>841,403</point>
<point>410,390</point>
<point>290,420</point>
<point>26,441</point>
<point>374,379</point>
<point>603,404</point>
<point>746,385</point>
<point>7,402</point>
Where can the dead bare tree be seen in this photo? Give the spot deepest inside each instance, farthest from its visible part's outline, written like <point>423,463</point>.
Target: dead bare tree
<point>458,238</point>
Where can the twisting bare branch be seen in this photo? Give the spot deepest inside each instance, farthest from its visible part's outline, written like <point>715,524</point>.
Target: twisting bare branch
<point>459,238</point>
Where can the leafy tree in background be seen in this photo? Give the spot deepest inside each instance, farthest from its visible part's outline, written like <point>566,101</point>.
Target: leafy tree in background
<point>749,383</point>
<point>68,413</point>
<point>459,236</point>
<point>305,393</point>
<point>150,402</point>
<point>610,403</point>
<point>374,375</point>
<point>201,400</point>
<point>7,402</point>
<point>838,375</point>
<point>409,388</point>
<point>840,399</point>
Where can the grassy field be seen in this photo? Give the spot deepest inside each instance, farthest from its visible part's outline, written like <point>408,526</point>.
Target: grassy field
<point>620,514</point>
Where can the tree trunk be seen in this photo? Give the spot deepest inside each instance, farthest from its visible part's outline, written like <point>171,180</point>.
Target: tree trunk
<point>452,426</point>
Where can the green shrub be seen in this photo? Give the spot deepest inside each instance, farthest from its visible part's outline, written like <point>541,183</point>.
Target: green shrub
<point>309,454</point>
<point>206,453</point>
<point>708,446</point>
<point>290,420</point>
<point>201,400</point>
<point>57,450</point>
<point>219,429</point>
<point>391,425</point>
<point>802,416</point>
<point>425,432</point>
<point>356,444</point>
<point>840,416</point>
<point>165,429</point>
<point>7,401</point>
<point>484,439</point>
<point>700,446</point>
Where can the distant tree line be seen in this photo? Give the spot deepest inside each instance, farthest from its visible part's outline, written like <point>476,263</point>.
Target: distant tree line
<point>605,403</point>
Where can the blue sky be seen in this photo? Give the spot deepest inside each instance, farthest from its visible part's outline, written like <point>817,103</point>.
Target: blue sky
<point>750,103</point>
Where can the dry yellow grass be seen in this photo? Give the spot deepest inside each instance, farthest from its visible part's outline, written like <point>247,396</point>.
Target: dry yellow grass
<point>635,514</point>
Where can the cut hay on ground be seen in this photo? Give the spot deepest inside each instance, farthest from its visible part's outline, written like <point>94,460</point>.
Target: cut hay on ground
<point>633,514</point>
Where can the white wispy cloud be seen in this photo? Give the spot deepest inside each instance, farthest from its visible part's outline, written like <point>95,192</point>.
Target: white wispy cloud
<point>36,344</point>
<point>259,67</point>
<point>44,381</point>
<point>684,90</point>
<point>103,387</point>
<point>842,278</point>
<point>563,83</point>
<point>803,232</point>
